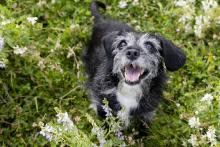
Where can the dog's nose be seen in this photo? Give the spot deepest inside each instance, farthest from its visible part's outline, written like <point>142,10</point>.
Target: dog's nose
<point>132,54</point>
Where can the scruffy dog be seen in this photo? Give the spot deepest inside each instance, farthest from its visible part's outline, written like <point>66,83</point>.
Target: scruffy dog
<point>127,67</point>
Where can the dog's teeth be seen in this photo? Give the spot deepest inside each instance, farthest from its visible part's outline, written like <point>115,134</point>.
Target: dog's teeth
<point>142,72</point>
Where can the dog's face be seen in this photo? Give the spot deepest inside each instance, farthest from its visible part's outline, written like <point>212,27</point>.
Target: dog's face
<point>137,56</point>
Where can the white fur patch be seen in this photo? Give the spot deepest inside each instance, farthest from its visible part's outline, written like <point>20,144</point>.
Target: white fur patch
<point>128,96</point>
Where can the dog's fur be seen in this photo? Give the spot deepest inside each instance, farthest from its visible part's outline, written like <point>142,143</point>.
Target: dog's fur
<point>127,67</point>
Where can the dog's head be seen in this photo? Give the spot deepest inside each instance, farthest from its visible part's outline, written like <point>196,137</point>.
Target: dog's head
<point>138,56</point>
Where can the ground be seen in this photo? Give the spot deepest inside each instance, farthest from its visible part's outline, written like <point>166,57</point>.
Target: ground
<point>41,69</point>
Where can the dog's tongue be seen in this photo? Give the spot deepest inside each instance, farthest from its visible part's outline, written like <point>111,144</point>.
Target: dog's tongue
<point>132,74</point>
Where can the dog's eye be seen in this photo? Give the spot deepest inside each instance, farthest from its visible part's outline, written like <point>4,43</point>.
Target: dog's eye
<point>122,44</point>
<point>149,46</point>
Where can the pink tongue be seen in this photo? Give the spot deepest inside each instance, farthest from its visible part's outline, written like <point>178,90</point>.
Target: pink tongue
<point>132,74</point>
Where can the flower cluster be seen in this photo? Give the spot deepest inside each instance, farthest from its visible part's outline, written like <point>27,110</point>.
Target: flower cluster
<point>100,135</point>
<point>207,98</point>
<point>108,111</point>
<point>198,21</point>
<point>122,4</point>
<point>47,131</point>
<point>19,50</point>
<point>188,8</point>
<point>63,118</point>
<point>32,20</point>
<point>202,135</point>
<point>194,122</point>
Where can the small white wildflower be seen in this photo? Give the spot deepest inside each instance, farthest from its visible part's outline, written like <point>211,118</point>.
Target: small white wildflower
<point>122,4</point>
<point>56,66</point>
<point>207,98</point>
<point>63,118</point>
<point>100,135</point>
<point>32,20</point>
<point>178,104</point>
<point>47,131</point>
<point>19,50</point>
<point>188,28</point>
<point>107,110</point>
<point>180,3</point>
<point>120,135</point>
<point>41,3</point>
<point>5,22</point>
<point>1,43</point>
<point>123,116</point>
<point>208,5</point>
<point>194,122</point>
<point>185,18</point>
<point>41,64</point>
<point>2,65</point>
<point>183,3</point>
<point>135,2</point>
<point>210,134</point>
<point>193,140</point>
<point>196,112</point>
<point>184,143</point>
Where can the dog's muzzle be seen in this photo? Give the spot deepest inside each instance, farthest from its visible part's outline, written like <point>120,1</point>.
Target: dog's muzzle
<point>132,72</point>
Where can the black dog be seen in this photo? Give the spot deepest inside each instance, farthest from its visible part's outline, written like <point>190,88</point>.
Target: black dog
<point>127,67</point>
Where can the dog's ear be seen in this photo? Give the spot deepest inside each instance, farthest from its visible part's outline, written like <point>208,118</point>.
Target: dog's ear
<point>108,41</point>
<point>174,57</point>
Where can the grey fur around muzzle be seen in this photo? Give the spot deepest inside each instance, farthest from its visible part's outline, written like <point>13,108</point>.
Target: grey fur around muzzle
<point>136,56</point>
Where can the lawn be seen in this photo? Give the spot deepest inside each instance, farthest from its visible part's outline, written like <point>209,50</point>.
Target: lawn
<point>41,72</point>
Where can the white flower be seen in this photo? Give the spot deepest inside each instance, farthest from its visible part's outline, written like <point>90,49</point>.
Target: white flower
<point>19,50</point>
<point>210,134</point>
<point>208,5</point>
<point>47,131</point>
<point>196,112</point>
<point>183,3</point>
<point>207,98</point>
<point>193,140</point>
<point>178,104</point>
<point>100,135</point>
<point>41,64</point>
<point>135,2</point>
<point>41,3</point>
<point>63,118</point>
<point>1,43</point>
<point>202,22</point>
<point>107,110</point>
<point>2,65</point>
<point>194,122</point>
<point>122,4</point>
<point>32,20</point>
<point>120,135</point>
<point>5,22</point>
<point>180,3</point>
<point>188,28</point>
<point>185,18</point>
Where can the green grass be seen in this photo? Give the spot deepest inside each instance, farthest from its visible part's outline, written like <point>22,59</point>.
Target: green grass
<point>29,92</point>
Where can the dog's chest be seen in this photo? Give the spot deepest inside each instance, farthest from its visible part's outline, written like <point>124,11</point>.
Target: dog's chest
<point>128,96</point>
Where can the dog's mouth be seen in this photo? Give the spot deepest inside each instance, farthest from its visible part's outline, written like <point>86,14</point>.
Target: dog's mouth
<point>133,74</point>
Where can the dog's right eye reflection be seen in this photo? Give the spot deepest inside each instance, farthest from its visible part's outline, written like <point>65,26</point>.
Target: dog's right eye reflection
<point>122,44</point>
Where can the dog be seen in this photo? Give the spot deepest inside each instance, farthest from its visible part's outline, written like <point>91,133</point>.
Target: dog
<point>127,68</point>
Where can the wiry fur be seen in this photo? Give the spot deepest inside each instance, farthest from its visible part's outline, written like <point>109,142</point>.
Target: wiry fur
<point>105,61</point>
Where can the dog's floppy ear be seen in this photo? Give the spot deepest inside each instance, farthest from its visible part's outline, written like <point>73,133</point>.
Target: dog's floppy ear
<point>174,57</point>
<point>108,41</point>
